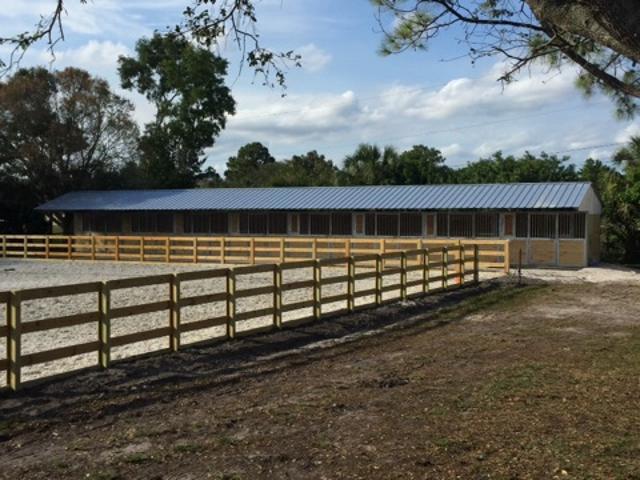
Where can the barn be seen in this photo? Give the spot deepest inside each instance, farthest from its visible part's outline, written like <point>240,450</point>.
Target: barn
<point>555,223</point>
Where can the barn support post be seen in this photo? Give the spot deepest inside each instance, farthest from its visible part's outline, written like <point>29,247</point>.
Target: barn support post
<point>277,296</point>
<point>476,264</point>
<point>378,279</point>
<point>231,303</point>
<point>104,326</point>
<point>317,290</point>
<point>174,315</point>
<point>14,340</point>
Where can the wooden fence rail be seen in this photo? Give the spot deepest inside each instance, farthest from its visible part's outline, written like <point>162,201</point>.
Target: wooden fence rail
<point>387,277</point>
<point>494,254</point>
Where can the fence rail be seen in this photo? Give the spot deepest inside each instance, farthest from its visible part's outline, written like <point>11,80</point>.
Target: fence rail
<point>494,254</point>
<point>431,269</point>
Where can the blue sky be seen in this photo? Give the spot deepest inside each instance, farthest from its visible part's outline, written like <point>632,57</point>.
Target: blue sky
<point>346,93</point>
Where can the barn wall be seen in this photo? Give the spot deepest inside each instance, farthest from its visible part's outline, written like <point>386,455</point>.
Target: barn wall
<point>593,238</point>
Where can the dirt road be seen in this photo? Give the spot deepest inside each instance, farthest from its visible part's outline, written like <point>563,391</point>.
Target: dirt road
<point>536,382</point>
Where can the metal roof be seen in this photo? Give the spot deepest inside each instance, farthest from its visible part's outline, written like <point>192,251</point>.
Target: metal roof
<point>510,196</point>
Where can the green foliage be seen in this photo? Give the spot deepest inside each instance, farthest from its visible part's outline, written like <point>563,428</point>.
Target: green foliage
<point>251,167</point>
<point>310,169</point>
<point>527,168</point>
<point>419,166</point>
<point>186,85</point>
<point>368,165</point>
<point>60,131</point>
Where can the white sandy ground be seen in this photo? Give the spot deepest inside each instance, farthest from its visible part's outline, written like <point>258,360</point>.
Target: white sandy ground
<point>17,274</point>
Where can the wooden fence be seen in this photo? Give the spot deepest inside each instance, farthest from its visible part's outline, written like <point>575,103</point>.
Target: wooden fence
<point>369,281</point>
<point>494,254</point>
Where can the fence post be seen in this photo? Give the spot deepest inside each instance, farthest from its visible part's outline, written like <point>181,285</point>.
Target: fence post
<point>317,289</point>
<point>403,275</point>
<point>351,283</point>
<point>222,248</point>
<point>25,248</point>
<point>277,296</point>
<point>315,249</point>
<point>15,339</point>
<point>104,326</point>
<point>462,259</point>
<point>194,247</point>
<point>117,246</point>
<point>425,270</point>
<point>445,267</point>
<point>476,265</point>
<point>378,279</point>
<point>507,256</point>
<point>167,242</point>
<point>252,251</point>
<point>142,249</point>
<point>174,316</point>
<point>69,247</point>
<point>46,247</point>
<point>93,247</point>
<point>4,245</point>
<point>282,250</point>
<point>231,303</point>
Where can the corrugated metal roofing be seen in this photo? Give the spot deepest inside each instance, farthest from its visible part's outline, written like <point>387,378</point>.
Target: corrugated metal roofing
<point>510,196</point>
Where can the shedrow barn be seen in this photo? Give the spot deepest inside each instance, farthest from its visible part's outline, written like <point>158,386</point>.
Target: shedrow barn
<point>553,224</point>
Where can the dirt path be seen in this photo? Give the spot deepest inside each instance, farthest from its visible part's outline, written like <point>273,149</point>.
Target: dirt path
<point>494,382</point>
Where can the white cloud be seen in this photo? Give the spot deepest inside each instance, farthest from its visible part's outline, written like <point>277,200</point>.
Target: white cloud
<point>631,130</point>
<point>94,55</point>
<point>314,59</point>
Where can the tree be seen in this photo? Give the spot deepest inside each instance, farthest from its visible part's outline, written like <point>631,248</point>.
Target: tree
<point>527,168</point>
<point>601,37</point>
<point>186,85</point>
<point>251,167</point>
<point>60,131</point>
<point>418,166</point>
<point>368,165</point>
<point>621,200</point>
<point>310,169</point>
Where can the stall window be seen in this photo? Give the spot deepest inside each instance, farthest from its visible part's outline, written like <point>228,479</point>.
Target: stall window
<point>460,225</point>
<point>341,224</point>
<point>571,225</point>
<point>359,223</point>
<point>430,226</point>
<point>387,224</point>
<point>487,225</point>
<point>443,225</point>
<point>543,225</point>
<point>278,223</point>
<point>410,225</point>
<point>522,222</point>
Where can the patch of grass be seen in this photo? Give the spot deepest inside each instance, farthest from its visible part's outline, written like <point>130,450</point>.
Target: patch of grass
<point>105,475</point>
<point>138,458</point>
<point>187,448</point>
<point>626,447</point>
<point>515,381</point>
<point>501,299</point>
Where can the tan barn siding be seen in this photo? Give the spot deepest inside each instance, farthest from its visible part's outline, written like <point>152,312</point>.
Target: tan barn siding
<point>572,253</point>
<point>542,252</point>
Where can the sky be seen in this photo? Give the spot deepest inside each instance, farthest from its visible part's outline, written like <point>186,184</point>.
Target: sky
<point>346,93</point>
